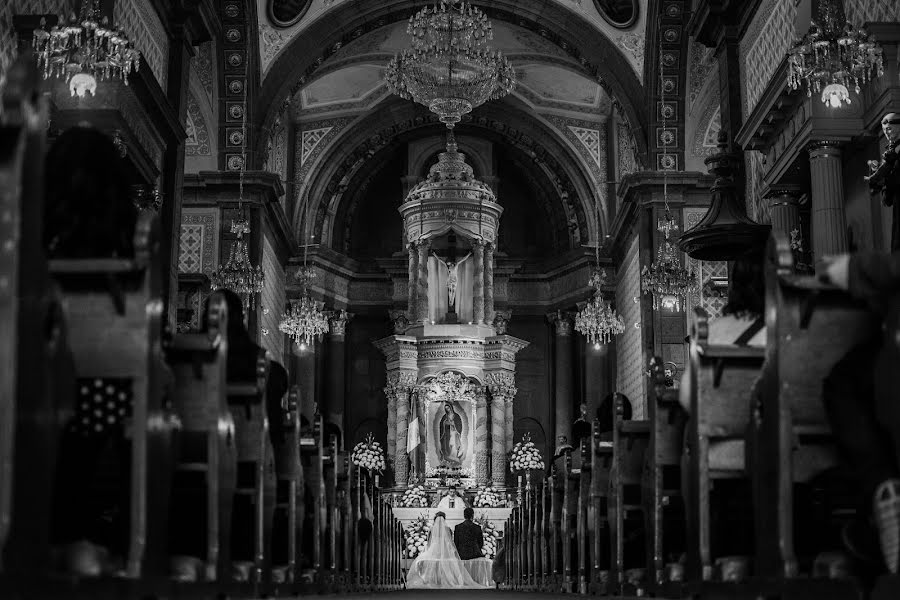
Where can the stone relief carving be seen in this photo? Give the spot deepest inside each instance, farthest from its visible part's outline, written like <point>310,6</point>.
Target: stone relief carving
<point>399,321</point>
<point>501,320</point>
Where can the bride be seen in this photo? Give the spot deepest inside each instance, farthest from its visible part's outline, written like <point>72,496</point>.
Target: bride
<point>439,565</point>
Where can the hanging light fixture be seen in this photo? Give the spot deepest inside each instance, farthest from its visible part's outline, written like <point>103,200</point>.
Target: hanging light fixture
<point>450,68</point>
<point>84,49</point>
<point>305,319</point>
<point>238,274</point>
<point>665,279</point>
<point>833,56</point>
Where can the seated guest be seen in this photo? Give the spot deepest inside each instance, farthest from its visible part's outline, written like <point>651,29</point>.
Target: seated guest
<point>742,322</point>
<point>865,416</point>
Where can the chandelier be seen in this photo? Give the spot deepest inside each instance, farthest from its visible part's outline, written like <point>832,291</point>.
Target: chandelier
<point>304,319</point>
<point>833,56</point>
<point>84,49</point>
<point>665,278</point>
<point>450,68</point>
<point>238,274</point>
<point>597,321</point>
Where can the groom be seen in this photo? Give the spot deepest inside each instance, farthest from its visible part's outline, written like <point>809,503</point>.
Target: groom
<point>468,537</point>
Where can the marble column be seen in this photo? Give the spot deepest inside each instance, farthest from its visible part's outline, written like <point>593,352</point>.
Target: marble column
<point>413,285</point>
<point>784,208</point>
<point>481,440</point>
<point>498,436</point>
<point>478,282</point>
<point>401,462</point>
<point>337,377</point>
<point>829,222</point>
<point>422,314</point>
<point>562,371</point>
<point>489,284</point>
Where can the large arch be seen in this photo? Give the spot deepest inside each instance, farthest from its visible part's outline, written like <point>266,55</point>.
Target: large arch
<point>351,151</point>
<point>354,18</point>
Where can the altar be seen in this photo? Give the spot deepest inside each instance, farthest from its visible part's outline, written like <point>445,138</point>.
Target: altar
<point>454,516</point>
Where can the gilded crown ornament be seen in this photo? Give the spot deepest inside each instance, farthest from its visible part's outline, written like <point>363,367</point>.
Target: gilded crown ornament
<point>450,66</point>
<point>833,56</point>
<point>84,49</point>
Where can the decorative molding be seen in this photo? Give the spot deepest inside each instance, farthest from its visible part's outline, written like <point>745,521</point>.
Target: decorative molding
<point>202,64</point>
<point>197,142</point>
<point>701,66</point>
<point>593,142</point>
<point>706,136</point>
<point>271,42</point>
<point>309,139</point>
<point>199,240</point>
<point>632,44</point>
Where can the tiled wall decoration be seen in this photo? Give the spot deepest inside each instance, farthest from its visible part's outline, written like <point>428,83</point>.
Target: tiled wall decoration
<point>630,359</point>
<point>199,244</point>
<point>860,12</point>
<point>141,22</point>
<point>197,142</point>
<point>309,139</point>
<point>272,301</point>
<point>765,45</point>
<point>705,270</point>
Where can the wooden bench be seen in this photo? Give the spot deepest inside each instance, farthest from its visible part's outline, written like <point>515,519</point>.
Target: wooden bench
<point>810,326</point>
<point>289,493</point>
<point>720,381</point>
<point>662,476</point>
<point>601,464</point>
<point>206,469</point>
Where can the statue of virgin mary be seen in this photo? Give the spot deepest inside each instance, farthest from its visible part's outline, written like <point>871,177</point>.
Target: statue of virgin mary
<point>450,448</point>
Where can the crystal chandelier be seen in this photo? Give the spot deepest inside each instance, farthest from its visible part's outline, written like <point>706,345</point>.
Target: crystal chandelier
<point>84,49</point>
<point>833,56</point>
<point>597,321</point>
<point>238,274</point>
<point>667,281</point>
<point>304,319</point>
<point>450,67</point>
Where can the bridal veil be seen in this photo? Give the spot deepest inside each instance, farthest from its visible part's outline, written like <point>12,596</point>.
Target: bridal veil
<point>439,565</point>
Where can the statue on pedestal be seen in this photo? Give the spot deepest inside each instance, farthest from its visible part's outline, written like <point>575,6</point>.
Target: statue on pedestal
<point>452,278</point>
<point>884,177</point>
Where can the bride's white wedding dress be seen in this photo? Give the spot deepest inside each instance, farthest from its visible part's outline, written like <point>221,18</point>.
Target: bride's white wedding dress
<point>439,565</point>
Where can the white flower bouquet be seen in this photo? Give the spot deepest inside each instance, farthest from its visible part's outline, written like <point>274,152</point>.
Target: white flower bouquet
<point>414,497</point>
<point>525,456</point>
<point>488,498</point>
<point>415,537</point>
<point>491,536</point>
<point>369,455</point>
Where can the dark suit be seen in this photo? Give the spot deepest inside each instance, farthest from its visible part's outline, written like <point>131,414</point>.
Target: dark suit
<point>468,539</point>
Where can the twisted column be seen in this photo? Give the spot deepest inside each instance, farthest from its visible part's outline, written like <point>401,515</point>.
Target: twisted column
<point>413,281</point>
<point>478,279</point>
<point>829,223</point>
<point>401,462</point>
<point>481,438</point>
<point>392,428</point>
<point>422,316</point>
<point>498,438</point>
<point>489,284</point>
<point>784,208</point>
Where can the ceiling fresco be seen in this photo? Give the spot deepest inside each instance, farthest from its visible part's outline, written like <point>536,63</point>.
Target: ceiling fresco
<point>629,39</point>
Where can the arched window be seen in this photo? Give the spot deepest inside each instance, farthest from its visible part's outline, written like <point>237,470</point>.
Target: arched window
<point>284,13</point>
<point>619,13</point>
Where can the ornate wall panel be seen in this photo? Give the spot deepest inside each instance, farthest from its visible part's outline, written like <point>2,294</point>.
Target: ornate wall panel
<point>204,67</point>
<point>764,46</point>
<point>272,301</point>
<point>199,245</point>
<point>630,357</point>
<point>145,29</point>
<point>860,12</point>
<point>197,142</point>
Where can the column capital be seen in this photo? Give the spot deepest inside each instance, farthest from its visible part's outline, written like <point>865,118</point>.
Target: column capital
<point>824,148</point>
<point>502,385</point>
<point>563,322</point>
<point>782,196</point>
<point>399,382</point>
<point>337,323</point>
<point>479,243</point>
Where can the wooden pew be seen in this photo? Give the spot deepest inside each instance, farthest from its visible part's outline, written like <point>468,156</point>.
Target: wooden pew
<point>206,469</point>
<point>662,477</point>
<point>38,375</point>
<point>814,325</point>
<point>721,379</point>
<point>630,440</point>
<point>601,464</point>
<point>586,520</point>
<point>114,307</point>
<point>255,480</point>
<point>289,490</point>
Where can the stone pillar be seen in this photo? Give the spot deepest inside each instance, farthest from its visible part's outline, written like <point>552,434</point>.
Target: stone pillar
<point>829,223</point>
<point>481,438</point>
<point>489,284</point>
<point>478,282</point>
<point>337,377</point>
<point>422,315</point>
<point>784,208</point>
<point>401,461</point>
<point>562,372</point>
<point>390,394</point>
<point>498,436</point>
<point>413,285</point>
<point>510,421</point>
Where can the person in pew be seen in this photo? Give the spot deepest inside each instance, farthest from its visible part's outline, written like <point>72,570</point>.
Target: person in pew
<point>742,322</point>
<point>863,410</point>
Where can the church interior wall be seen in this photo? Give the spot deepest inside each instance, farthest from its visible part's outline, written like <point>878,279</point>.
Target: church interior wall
<point>365,376</point>
<point>534,398</point>
<point>630,353</point>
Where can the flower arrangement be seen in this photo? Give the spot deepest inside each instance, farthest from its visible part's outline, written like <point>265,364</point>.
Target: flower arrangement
<point>490,535</point>
<point>800,254</point>
<point>369,454</point>
<point>415,537</point>
<point>525,456</point>
<point>414,497</point>
<point>488,498</point>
